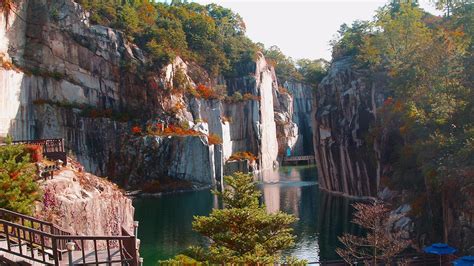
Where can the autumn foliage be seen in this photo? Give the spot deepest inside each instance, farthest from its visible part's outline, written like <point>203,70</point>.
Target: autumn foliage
<point>243,155</point>
<point>214,139</point>
<point>381,242</point>
<point>35,151</point>
<point>158,129</point>
<point>136,130</point>
<point>205,92</point>
<point>18,189</point>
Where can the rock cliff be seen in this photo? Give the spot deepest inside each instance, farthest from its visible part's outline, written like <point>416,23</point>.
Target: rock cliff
<point>62,77</point>
<point>303,97</point>
<point>84,204</point>
<point>345,108</point>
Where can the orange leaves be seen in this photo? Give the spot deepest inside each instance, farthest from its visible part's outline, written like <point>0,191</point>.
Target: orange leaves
<point>136,130</point>
<point>206,92</point>
<point>201,91</point>
<point>243,155</point>
<point>171,130</point>
<point>35,151</point>
<point>214,139</point>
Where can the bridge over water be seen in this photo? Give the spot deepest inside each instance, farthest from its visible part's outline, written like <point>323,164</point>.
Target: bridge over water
<point>308,159</point>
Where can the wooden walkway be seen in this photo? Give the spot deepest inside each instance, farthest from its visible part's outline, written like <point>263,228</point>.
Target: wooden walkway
<point>37,242</point>
<point>309,159</point>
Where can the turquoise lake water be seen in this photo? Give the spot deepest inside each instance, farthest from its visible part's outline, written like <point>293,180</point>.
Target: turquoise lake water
<point>165,222</point>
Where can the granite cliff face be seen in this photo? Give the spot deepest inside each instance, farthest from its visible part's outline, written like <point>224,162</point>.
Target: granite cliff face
<point>345,108</point>
<point>84,204</point>
<point>62,77</point>
<point>303,97</point>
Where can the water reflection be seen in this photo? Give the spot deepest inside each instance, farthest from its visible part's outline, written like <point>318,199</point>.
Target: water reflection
<point>165,222</point>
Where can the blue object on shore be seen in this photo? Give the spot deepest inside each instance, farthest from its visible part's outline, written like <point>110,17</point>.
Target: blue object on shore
<point>464,261</point>
<point>440,249</point>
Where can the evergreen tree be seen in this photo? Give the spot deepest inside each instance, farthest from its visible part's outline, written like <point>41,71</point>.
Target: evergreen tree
<point>18,189</point>
<point>243,232</point>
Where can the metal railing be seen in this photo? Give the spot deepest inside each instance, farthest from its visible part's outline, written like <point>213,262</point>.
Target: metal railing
<point>44,242</point>
<point>52,148</point>
<point>415,259</point>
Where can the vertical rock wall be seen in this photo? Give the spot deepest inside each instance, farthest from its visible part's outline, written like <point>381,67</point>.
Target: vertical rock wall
<point>301,116</point>
<point>345,109</point>
<point>266,84</point>
<point>62,64</point>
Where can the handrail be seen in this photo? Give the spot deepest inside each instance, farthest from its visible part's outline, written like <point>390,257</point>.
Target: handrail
<point>39,232</point>
<point>52,244</point>
<point>52,148</point>
<point>25,216</point>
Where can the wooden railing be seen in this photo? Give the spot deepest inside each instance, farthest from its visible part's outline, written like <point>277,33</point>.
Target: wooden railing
<point>44,242</point>
<point>52,148</point>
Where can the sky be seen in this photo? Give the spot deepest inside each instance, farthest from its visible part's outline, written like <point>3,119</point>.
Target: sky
<point>302,28</point>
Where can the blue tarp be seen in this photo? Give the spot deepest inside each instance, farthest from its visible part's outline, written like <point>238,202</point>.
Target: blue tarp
<point>440,249</point>
<point>464,261</point>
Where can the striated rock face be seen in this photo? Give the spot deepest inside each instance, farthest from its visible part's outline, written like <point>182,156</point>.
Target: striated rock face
<point>287,130</point>
<point>345,109</point>
<point>301,116</point>
<point>187,158</point>
<point>84,204</point>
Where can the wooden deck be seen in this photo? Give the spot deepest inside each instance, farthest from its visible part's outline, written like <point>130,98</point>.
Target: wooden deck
<point>37,242</point>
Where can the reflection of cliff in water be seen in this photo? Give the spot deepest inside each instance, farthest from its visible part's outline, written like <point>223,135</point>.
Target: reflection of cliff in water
<point>334,219</point>
<point>322,216</point>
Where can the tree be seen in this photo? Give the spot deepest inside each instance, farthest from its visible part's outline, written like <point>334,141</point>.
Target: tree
<point>349,39</point>
<point>380,243</point>
<point>18,189</point>
<point>285,68</point>
<point>243,232</point>
<point>313,71</point>
<point>128,19</point>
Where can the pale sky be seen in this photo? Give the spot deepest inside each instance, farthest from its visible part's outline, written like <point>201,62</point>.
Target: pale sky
<point>301,28</point>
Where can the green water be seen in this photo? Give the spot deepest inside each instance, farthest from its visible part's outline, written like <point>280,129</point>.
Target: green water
<point>165,222</point>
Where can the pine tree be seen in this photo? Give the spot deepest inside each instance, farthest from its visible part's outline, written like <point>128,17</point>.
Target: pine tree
<point>243,232</point>
<point>18,189</point>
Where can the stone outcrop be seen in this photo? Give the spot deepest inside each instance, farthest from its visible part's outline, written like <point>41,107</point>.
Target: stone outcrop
<point>84,204</point>
<point>188,158</point>
<point>345,108</point>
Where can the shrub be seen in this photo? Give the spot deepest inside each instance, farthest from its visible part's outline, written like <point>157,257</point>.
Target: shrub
<point>251,97</point>
<point>207,93</point>
<point>180,80</point>
<point>214,139</point>
<point>35,151</point>
<point>243,155</point>
<point>237,97</point>
<point>136,130</point>
<point>18,189</point>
